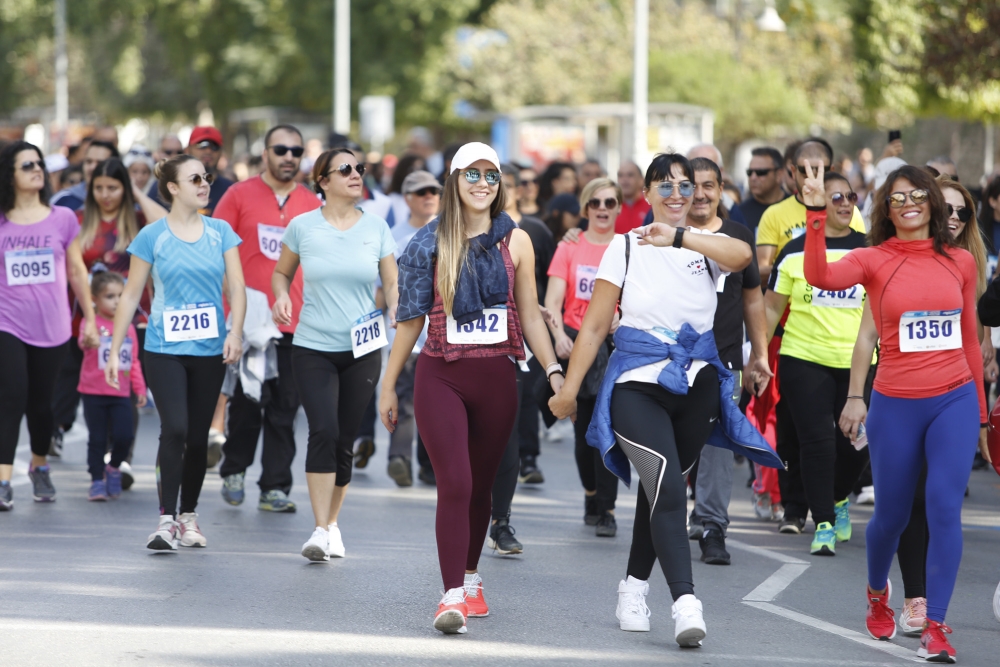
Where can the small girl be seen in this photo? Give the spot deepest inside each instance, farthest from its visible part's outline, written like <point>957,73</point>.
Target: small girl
<point>108,411</point>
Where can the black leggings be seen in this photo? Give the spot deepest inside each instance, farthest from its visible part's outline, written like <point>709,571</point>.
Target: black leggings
<point>912,550</point>
<point>593,474</point>
<point>27,378</point>
<point>334,388</point>
<point>662,434</point>
<point>822,463</point>
<point>185,389</point>
<point>505,484</point>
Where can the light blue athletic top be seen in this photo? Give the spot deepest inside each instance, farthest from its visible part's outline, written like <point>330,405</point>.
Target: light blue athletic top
<point>184,276</point>
<point>338,275</point>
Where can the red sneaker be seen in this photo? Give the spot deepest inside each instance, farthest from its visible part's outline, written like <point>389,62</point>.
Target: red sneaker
<point>880,621</point>
<point>452,612</point>
<point>474,596</point>
<point>934,646</point>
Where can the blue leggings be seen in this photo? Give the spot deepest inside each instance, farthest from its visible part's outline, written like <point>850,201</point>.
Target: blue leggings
<point>904,433</point>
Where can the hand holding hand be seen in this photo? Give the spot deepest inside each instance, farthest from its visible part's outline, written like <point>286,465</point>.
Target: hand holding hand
<point>563,405</point>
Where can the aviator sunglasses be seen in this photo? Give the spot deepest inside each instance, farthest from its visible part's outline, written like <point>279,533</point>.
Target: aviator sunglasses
<point>666,189</point>
<point>31,165</point>
<point>609,203</point>
<point>472,176</point>
<point>345,170</point>
<point>838,198</point>
<point>198,178</point>
<point>918,197</point>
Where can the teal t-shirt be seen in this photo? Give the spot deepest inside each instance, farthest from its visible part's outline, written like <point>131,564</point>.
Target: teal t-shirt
<point>187,280</point>
<point>338,275</point>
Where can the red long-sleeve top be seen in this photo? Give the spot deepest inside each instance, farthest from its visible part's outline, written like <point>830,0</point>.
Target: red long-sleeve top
<point>902,276</point>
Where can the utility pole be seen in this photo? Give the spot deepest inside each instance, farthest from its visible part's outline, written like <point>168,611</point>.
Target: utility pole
<point>342,67</point>
<point>640,84</point>
<point>62,85</point>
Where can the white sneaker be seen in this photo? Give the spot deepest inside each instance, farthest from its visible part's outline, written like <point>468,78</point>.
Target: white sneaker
<point>867,496</point>
<point>996,603</point>
<point>762,505</point>
<point>336,547</point>
<point>315,549</point>
<point>191,535</point>
<point>165,537</point>
<point>632,612</point>
<point>689,626</point>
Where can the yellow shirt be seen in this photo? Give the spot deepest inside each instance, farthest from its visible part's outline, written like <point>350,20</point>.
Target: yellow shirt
<point>786,220</point>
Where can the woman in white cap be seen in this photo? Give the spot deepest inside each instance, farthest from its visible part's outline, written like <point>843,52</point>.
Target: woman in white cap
<point>472,271</point>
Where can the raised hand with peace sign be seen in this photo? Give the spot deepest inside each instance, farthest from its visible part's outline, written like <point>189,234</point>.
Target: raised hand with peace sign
<point>813,191</point>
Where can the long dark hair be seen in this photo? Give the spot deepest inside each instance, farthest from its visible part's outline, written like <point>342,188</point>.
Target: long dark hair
<point>407,165</point>
<point>551,173</point>
<point>127,224</point>
<point>8,194</point>
<point>883,229</point>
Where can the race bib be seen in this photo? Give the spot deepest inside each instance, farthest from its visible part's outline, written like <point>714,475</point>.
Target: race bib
<point>845,298</point>
<point>490,328</point>
<point>585,277</point>
<point>195,321</point>
<point>368,333</point>
<point>30,267</point>
<point>270,240</point>
<point>124,355</point>
<point>927,330</point>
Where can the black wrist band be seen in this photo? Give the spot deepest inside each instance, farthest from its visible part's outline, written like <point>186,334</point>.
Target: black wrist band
<point>557,372</point>
<point>860,398</point>
<point>816,208</point>
<point>678,237</point>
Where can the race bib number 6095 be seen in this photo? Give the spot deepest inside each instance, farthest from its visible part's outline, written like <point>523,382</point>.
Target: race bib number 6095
<point>30,267</point>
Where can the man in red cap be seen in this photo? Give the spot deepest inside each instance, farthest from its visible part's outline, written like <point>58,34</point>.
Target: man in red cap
<point>206,145</point>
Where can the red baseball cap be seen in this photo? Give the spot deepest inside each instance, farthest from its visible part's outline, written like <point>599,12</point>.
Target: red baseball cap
<point>205,133</point>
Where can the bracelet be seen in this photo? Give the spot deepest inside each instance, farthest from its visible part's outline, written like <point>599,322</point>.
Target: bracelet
<point>861,398</point>
<point>559,371</point>
<point>553,365</point>
<point>230,333</point>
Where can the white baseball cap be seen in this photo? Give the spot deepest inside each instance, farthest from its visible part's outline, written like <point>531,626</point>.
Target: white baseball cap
<point>473,152</point>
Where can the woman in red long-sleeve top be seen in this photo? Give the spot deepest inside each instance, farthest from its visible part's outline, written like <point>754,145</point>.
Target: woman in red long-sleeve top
<point>928,395</point>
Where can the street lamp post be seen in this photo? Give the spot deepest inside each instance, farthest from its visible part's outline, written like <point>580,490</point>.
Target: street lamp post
<point>62,63</point>
<point>342,67</point>
<point>640,84</point>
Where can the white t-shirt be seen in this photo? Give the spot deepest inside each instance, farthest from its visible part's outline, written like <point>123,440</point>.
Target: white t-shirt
<point>664,289</point>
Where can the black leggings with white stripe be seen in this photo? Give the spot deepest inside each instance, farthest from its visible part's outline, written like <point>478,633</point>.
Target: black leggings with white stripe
<point>662,434</point>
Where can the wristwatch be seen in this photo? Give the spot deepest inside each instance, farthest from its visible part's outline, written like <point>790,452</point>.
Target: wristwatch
<point>678,237</point>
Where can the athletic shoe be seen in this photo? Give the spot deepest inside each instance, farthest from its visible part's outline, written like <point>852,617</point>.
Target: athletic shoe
<point>336,547</point>
<point>762,505</point>
<point>501,538</point>
<point>867,496</point>
<point>880,620</point>
<point>216,439</point>
<point>474,599</point>
<point>165,537</point>
<point>452,612</point>
<point>56,444</point>
<point>632,612</point>
<point>843,525</point>
<point>232,488</point>
<point>315,548</point>
<point>824,541</point>
<point>127,478</point>
<point>41,484</point>
<point>713,547</point>
<point>996,595</point>
<point>364,449</point>
<point>191,535</point>
<point>530,474</point>
<point>689,624</point>
<point>606,525</point>
<point>400,470</point>
<point>695,531</point>
<point>777,512</point>
<point>275,500</point>
<point>98,491</point>
<point>591,515</point>
<point>911,620</point>
<point>7,500</point>
<point>113,481</point>
<point>792,525</point>
<point>934,645</point>
<point>426,475</point>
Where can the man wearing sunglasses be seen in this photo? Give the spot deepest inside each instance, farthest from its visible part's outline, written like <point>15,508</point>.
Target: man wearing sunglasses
<point>259,209</point>
<point>763,184</point>
<point>786,220</point>
<point>206,145</point>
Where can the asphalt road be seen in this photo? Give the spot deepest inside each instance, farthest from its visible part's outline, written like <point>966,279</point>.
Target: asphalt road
<point>77,585</point>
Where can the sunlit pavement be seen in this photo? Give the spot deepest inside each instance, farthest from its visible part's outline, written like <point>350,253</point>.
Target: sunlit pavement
<point>77,585</point>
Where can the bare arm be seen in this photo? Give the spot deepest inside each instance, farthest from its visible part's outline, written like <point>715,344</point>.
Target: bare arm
<point>855,411</point>
<point>76,274</point>
<point>555,296</point>
<point>730,254</point>
<point>281,280</point>
<point>150,209</point>
<point>765,260</point>
<point>389,272</point>
<point>138,273</point>
<point>526,301</point>
<point>236,293</point>
<point>402,346</point>
<point>774,305</point>
<point>756,323</point>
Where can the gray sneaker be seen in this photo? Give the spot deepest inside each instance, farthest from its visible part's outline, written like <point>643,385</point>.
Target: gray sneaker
<point>232,488</point>
<point>6,498</point>
<point>275,500</point>
<point>41,484</point>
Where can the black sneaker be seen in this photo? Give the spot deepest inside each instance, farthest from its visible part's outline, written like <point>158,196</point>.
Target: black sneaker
<point>364,449</point>
<point>502,539</point>
<point>791,525</point>
<point>530,474</point>
<point>606,525</point>
<point>56,444</point>
<point>713,547</point>
<point>591,515</point>
<point>426,475</point>
<point>400,470</point>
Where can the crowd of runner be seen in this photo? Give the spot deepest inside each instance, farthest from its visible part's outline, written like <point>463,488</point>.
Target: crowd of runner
<point>661,310</point>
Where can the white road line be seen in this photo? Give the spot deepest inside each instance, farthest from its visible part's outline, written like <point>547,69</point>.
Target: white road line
<point>766,553</point>
<point>777,582</point>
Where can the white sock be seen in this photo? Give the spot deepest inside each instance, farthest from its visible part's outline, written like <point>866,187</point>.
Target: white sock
<point>632,581</point>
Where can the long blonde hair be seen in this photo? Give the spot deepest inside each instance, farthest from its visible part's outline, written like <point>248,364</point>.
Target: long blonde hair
<point>127,225</point>
<point>452,243</point>
<point>971,238</point>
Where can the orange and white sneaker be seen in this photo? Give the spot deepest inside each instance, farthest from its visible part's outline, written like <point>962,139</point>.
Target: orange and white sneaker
<point>452,612</point>
<point>934,645</point>
<point>474,599</point>
<point>880,620</point>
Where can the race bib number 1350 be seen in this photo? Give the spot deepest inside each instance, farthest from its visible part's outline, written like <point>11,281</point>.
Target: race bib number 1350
<point>927,330</point>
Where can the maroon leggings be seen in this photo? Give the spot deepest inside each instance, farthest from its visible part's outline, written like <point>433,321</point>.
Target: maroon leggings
<point>465,412</point>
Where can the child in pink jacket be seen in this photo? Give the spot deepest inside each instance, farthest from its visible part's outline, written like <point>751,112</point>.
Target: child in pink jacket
<point>108,411</point>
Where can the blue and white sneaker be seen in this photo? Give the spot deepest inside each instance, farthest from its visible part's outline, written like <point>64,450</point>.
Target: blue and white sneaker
<point>232,488</point>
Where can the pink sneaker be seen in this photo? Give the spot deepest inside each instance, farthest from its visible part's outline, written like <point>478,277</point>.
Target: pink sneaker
<point>911,620</point>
